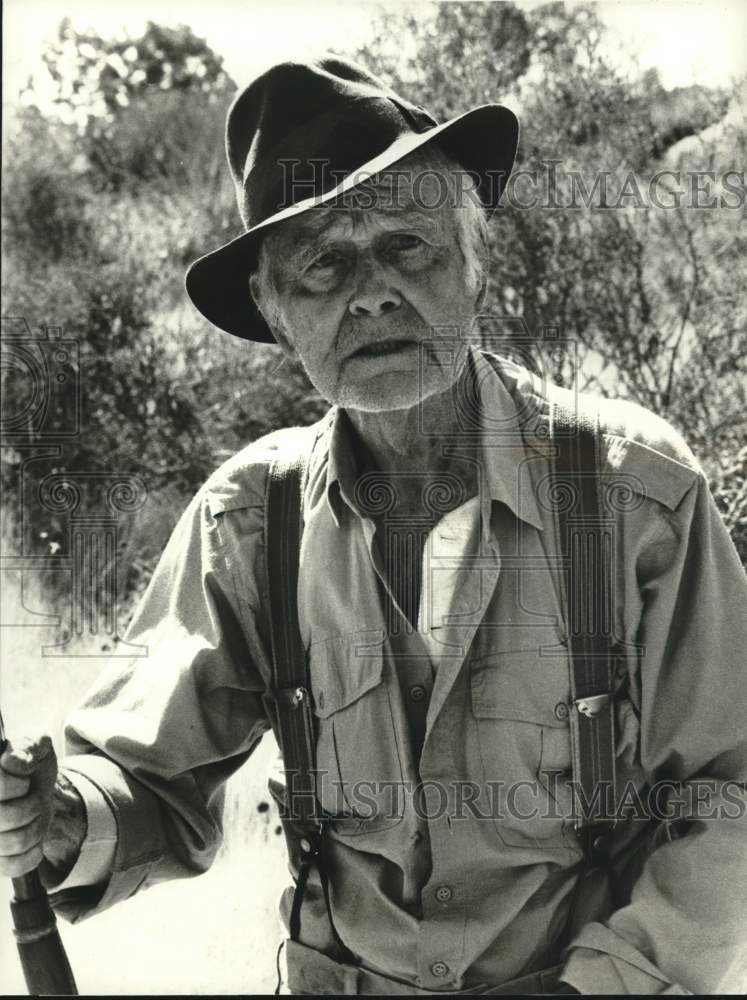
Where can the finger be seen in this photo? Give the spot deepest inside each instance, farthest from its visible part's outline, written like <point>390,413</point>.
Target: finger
<point>18,813</point>
<point>12,787</point>
<point>21,840</point>
<point>21,864</point>
<point>23,756</point>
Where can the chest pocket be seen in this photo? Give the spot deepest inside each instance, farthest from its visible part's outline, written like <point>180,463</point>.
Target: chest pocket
<point>520,709</point>
<point>359,781</point>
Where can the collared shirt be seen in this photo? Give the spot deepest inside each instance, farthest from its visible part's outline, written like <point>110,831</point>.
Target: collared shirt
<point>444,751</point>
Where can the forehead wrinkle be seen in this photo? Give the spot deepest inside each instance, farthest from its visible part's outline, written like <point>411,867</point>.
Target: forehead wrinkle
<point>391,217</point>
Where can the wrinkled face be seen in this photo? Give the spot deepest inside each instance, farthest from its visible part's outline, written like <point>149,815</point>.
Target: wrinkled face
<point>358,292</point>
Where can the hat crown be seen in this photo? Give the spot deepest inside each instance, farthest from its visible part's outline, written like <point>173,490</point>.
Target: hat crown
<point>301,127</point>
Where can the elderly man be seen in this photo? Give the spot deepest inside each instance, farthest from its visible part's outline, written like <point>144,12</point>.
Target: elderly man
<point>424,672</point>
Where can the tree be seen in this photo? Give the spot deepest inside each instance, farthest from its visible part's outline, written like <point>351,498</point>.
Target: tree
<point>96,77</point>
<point>138,100</point>
<point>462,55</point>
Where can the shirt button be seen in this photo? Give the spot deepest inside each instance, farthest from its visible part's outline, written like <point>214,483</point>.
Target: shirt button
<point>444,893</point>
<point>417,692</point>
<point>440,969</point>
<point>561,711</point>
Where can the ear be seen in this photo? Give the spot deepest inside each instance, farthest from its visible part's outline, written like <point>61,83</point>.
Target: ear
<point>269,316</point>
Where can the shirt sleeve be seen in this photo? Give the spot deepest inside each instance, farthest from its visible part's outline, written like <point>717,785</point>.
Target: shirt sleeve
<point>167,724</point>
<point>685,928</point>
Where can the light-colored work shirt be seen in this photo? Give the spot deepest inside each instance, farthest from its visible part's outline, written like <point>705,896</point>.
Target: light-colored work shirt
<point>429,884</point>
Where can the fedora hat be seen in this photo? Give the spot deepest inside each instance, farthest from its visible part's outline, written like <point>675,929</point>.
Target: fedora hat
<point>302,134</point>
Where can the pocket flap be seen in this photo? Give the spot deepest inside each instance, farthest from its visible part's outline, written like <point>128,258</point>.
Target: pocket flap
<point>521,686</point>
<point>343,669</point>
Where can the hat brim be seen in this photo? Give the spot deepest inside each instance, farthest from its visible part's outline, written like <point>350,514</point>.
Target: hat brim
<point>482,140</point>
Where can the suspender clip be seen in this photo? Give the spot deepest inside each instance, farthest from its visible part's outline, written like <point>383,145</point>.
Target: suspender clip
<point>300,694</point>
<point>593,705</point>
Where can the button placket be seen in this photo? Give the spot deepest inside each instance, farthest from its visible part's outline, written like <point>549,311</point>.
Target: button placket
<point>440,941</point>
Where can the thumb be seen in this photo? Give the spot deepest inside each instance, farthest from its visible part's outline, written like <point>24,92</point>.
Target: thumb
<point>23,756</point>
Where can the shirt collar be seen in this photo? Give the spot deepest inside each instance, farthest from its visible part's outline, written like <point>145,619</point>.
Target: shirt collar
<point>506,459</point>
<point>342,467</point>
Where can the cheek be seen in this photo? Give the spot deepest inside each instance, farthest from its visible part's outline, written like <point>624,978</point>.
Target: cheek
<point>441,294</point>
<point>314,328</point>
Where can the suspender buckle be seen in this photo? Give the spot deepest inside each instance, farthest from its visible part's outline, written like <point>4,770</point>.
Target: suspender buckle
<point>292,697</point>
<point>593,705</point>
<point>300,694</point>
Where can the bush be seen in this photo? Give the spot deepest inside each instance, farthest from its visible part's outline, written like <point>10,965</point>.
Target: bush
<point>164,396</point>
<point>44,194</point>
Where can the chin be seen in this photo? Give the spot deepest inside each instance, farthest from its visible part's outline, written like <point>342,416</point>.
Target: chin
<point>390,390</point>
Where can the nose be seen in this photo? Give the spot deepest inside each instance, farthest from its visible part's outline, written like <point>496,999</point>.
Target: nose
<point>373,296</point>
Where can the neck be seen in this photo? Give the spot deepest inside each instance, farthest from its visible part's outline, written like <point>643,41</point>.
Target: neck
<point>412,440</point>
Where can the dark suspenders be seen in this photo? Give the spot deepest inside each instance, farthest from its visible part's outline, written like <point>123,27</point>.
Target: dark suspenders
<point>585,537</point>
<point>289,699</point>
<point>290,695</point>
<point>585,533</point>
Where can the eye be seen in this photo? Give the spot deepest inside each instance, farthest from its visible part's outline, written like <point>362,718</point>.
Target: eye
<point>405,242</point>
<point>324,261</point>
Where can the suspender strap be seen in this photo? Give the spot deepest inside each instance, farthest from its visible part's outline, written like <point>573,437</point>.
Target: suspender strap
<point>290,695</point>
<point>586,540</point>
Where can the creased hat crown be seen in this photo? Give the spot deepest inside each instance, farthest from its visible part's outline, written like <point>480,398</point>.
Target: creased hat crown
<point>300,128</point>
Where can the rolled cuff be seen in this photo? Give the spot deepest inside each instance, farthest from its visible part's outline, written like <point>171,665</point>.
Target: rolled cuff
<point>139,843</point>
<point>96,857</point>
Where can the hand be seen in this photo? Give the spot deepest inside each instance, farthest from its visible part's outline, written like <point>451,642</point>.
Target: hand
<point>28,769</point>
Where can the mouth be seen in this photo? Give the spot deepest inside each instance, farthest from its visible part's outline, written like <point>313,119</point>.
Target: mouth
<point>382,348</point>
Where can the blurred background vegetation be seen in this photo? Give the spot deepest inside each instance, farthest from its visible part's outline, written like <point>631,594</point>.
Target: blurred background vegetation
<point>106,205</point>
